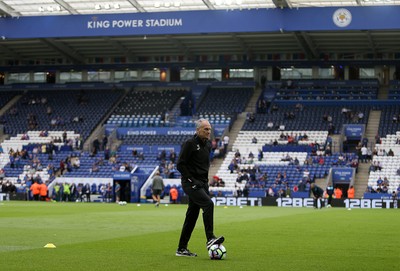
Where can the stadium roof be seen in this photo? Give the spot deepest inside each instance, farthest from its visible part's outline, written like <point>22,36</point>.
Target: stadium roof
<point>76,49</point>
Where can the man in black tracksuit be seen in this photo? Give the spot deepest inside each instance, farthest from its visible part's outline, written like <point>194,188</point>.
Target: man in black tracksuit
<point>318,193</point>
<point>193,164</point>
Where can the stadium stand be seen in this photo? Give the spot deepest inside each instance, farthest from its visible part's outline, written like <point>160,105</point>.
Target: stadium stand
<point>145,102</point>
<point>271,164</point>
<point>325,90</point>
<point>75,110</point>
<point>389,170</point>
<point>390,121</point>
<point>6,96</point>
<point>308,117</point>
<point>224,100</point>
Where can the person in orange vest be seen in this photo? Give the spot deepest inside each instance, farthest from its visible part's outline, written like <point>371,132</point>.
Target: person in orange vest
<point>350,192</point>
<point>43,191</point>
<point>338,193</point>
<point>173,194</point>
<point>35,188</point>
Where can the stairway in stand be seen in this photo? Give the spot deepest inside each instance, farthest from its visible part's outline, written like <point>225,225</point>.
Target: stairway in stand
<point>362,175</point>
<point>236,128</point>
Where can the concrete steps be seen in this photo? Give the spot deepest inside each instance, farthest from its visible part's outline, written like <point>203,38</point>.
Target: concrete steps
<point>361,179</point>
<point>236,128</point>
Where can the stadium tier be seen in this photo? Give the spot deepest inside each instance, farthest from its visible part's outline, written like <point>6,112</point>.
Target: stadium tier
<point>76,110</point>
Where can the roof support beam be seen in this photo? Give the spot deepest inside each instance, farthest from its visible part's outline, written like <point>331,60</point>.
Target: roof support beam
<point>208,4</point>
<point>64,50</point>
<point>282,4</point>
<point>67,7</point>
<point>137,5</point>
<point>120,47</point>
<point>306,45</point>
<point>246,49</point>
<point>371,42</point>
<point>9,53</point>
<point>310,44</point>
<point>7,10</point>
<point>178,44</point>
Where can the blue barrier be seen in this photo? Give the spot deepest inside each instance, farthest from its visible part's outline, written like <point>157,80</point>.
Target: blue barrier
<point>300,194</point>
<point>377,196</point>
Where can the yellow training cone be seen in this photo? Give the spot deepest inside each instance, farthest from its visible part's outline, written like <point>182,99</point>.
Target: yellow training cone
<point>50,245</point>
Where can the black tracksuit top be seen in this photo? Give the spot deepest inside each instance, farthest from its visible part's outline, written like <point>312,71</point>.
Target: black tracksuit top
<point>194,159</point>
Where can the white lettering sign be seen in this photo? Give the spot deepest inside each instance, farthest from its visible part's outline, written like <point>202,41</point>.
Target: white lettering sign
<point>95,23</point>
<point>295,202</point>
<point>369,203</point>
<point>231,201</point>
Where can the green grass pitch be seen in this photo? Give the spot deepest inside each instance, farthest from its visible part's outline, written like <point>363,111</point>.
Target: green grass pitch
<point>96,236</point>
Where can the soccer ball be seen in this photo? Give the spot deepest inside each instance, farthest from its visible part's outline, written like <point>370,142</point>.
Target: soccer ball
<point>217,252</point>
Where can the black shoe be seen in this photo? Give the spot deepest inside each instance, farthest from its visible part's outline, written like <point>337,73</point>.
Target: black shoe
<point>215,241</point>
<point>185,253</point>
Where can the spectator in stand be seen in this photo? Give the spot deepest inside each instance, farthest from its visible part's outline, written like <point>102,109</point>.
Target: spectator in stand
<point>226,143</point>
<point>271,192</point>
<point>354,164</point>
<point>172,156</point>
<point>260,155</point>
<point>251,155</point>
<point>96,146</point>
<point>104,142</point>
<point>395,119</point>
<point>364,153</point>
<point>369,154</point>
<point>242,177</point>
<point>94,168</point>
<point>331,128</point>
<point>233,166</point>
<point>379,182</point>
<point>321,160</point>
<point>251,117</point>
<point>141,156</point>
<point>76,162</point>
<point>386,181</point>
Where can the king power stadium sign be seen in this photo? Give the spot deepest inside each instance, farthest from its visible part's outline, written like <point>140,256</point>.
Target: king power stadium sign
<point>130,23</point>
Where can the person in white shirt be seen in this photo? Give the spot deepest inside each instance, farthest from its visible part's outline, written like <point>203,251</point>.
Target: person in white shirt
<point>364,154</point>
<point>226,142</point>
